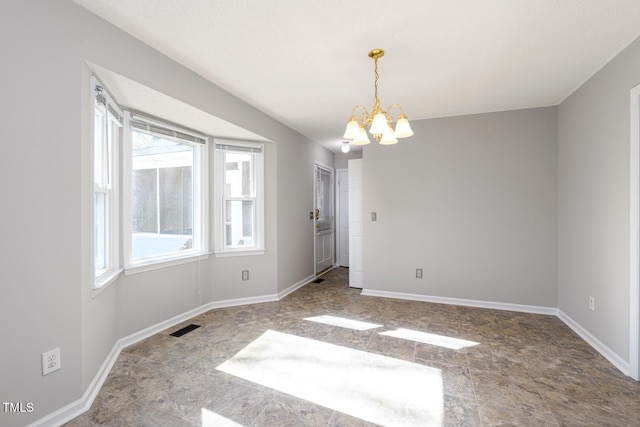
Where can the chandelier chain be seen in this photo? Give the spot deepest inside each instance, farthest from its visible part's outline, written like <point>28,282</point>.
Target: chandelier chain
<point>376,101</point>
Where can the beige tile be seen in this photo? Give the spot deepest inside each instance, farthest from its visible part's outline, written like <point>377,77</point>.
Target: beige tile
<point>287,411</point>
<point>236,401</point>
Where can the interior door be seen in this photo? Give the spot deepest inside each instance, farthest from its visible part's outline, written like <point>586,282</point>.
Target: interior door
<point>324,230</point>
<point>343,217</point>
<point>356,224</point>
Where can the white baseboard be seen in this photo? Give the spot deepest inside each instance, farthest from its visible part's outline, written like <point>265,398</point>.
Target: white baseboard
<point>295,287</point>
<point>240,301</point>
<point>80,406</point>
<point>605,351</point>
<point>136,337</point>
<point>464,302</point>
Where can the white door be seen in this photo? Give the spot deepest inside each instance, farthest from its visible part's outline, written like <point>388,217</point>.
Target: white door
<point>343,217</point>
<point>324,241</point>
<point>356,223</point>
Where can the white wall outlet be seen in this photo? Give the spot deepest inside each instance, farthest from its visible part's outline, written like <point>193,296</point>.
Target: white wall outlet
<point>50,361</point>
<point>245,274</point>
<point>418,273</point>
<point>374,216</point>
<point>592,303</point>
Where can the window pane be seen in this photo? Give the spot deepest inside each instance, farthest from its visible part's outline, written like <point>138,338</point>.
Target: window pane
<point>239,223</point>
<point>176,200</point>
<point>238,175</point>
<point>99,142</point>
<point>113,137</point>
<point>162,196</point>
<point>100,231</point>
<point>324,205</point>
<point>144,204</point>
<point>247,218</point>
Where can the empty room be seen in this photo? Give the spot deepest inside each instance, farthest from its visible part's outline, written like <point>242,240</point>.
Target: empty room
<point>288,213</point>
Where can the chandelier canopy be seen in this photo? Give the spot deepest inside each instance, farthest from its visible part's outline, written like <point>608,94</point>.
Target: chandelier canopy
<point>379,121</point>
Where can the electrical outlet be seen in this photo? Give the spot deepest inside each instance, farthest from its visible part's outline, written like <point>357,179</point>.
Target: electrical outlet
<point>374,216</point>
<point>592,303</point>
<point>245,274</point>
<point>418,273</point>
<point>50,361</point>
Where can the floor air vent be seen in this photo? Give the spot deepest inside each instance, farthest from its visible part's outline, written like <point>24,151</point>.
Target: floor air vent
<point>318,281</point>
<point>185,330</point>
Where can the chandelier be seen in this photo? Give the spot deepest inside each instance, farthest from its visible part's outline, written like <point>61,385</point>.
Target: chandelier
<point>379,121</point>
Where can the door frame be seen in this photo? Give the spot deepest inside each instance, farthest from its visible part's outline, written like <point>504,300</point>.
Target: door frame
<point>634,234</point>
<point>317,164</point>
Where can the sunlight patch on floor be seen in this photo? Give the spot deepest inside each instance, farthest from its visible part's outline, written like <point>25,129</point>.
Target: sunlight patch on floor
<point>374,388</point>
<point>211,419</point>
<point>343,323</point>
<point>433,339</point>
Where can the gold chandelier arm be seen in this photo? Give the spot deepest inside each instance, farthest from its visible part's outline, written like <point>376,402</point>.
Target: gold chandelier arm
<point>364,116</point>
<point>398,106</point>
<point>356,108</point>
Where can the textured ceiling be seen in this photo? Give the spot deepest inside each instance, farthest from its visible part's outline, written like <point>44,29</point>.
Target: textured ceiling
<point>305,62</point>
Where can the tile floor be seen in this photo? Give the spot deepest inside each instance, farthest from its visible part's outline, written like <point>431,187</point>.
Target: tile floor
<point>528,370</point>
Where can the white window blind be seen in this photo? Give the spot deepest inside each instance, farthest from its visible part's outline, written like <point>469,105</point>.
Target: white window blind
<point>164,130</point>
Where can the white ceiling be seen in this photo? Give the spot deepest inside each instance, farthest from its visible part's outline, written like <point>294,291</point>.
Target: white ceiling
<point>305,62</point>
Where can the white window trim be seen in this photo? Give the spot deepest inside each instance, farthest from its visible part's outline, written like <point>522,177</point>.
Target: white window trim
<point>220,250</point>
<point>105,280</point>
<point>108,275</point>
<point>200,207</point>
<point>164,262</point>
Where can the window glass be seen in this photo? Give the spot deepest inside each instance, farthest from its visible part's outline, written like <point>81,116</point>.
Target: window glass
<point>324,206</point>
<point>100,232</point>
<point>99,142</point>
<point>239,175</point>
<point>162,202</point>
<point>239,220</point>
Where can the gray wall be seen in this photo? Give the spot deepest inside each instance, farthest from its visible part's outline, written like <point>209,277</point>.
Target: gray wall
<point>45,184</point>
<point>472,201</point>
<point>342,159</point>
<point>593,201</point>
<point>295,229</point>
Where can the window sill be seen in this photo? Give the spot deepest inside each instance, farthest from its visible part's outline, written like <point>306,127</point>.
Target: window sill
<point>157,264</point>
<point>102,282</point>
<point>239,252</point>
